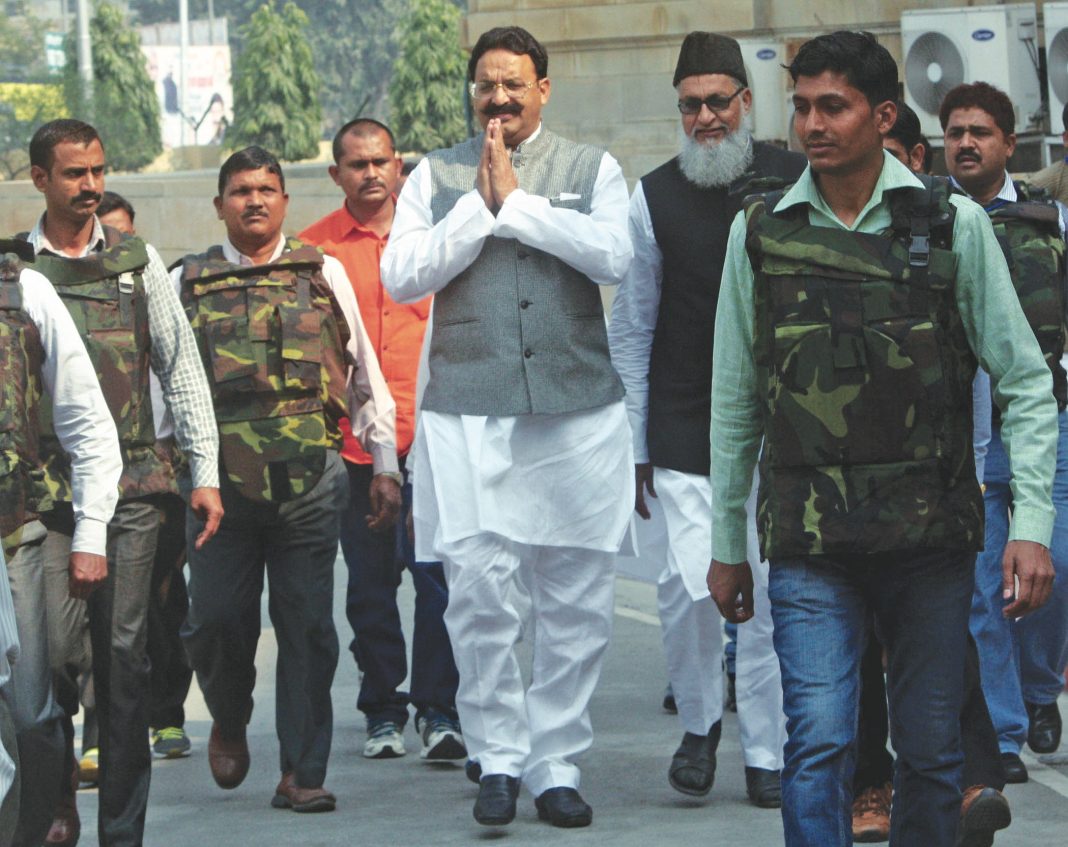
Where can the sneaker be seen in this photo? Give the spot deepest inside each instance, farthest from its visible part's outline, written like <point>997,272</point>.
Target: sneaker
<point>385,740</point>
<point>871,814</point>
<point>89,766</point>
<point>171,742</point>
<point>442,740</point>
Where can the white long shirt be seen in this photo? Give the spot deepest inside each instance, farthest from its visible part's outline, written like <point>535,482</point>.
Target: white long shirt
<point>543,480</point>
<point>80,414</point>
<point>372,411</point>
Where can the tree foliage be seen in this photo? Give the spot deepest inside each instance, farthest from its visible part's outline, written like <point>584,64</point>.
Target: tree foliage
<point>22,55</point>
<point>24,106</point>
<point>426,91</point>
<point>276,87</point>
<point>123,106</point>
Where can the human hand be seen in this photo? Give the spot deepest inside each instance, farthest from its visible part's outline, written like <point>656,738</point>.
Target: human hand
<point>731,587</point>
<point>385,503</point>
<point>482,177</point>
<point>207,506</point>
<point>87,572</point>
<point>1027,563</point>
<point>643,480</point>
<point>502,175</point>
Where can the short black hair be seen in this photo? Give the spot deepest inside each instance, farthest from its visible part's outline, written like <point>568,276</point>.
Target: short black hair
<point>1064,118</point>
<point>980,95</point>
<point>44,141</point>
<point>250,159</point>
<point>514,39</point>
<point>863,61</point>
<point>906,128</point>
<point>110,202</point>
<point>361,127</point>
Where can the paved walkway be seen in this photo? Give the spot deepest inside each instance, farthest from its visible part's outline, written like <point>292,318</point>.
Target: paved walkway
<point>407,803</point>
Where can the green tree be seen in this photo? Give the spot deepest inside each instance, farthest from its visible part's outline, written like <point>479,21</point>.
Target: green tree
<point>276,88</point>
<point>426,91</point>
<point>123,107</point>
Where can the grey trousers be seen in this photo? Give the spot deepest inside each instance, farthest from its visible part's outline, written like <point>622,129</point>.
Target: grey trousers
<point>29,695</point>
<point>297,541</point>
<point>118,628</point>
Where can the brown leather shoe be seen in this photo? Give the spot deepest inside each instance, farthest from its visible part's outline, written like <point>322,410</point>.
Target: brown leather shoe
<point>871,814</point>
<point>983,811</point>
<point>66,826</point>
<point>228,758</point>
<point>289,795</point>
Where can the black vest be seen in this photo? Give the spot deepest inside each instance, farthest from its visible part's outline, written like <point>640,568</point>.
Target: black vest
<point>691,225</point>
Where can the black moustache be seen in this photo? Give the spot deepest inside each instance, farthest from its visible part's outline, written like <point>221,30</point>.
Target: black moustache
<point>89,195</point>
<point>969,156</point>
<point>506,109</point>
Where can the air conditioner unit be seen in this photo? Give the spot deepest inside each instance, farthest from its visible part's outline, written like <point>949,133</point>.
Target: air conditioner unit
<point>764,60</point>
<point>946,47</point>
<point>1056,26</point>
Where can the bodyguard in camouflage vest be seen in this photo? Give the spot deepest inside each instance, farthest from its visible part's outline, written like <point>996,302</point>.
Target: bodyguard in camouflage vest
<point>120,298</point>
<point>522,454</point>
<point>852,310</point>
<point>42,359</point>
<point>978,120</point>
<point>287,356</point>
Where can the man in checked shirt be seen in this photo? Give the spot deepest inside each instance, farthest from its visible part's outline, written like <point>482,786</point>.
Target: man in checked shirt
<point>119,294</point>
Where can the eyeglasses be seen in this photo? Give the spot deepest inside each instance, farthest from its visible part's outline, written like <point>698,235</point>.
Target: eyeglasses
<point>716,103</point>
<point>516,89</point>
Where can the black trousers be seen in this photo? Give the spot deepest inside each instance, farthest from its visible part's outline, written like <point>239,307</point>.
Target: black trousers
<point>296,542</point>
<point>979,740</point>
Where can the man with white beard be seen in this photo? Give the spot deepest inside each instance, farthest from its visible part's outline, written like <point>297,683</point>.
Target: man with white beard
<point>661,343</point>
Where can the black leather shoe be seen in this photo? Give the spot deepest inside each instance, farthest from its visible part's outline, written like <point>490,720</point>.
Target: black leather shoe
<point>563,807</point>
<point>764,787</point>
<point>495,805</point>
<point>693,767</point>
<point>473,771</point>
<point>669,701</point>
<point>1044,733</point>
<point>1015,769</point>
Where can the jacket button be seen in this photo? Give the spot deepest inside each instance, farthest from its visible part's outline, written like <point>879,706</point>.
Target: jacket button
<point>528,353</point>
<point>522,254</point>
<point>524,304</point>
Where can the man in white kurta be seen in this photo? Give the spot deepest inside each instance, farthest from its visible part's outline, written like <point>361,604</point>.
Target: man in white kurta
<point>522,449</point>
<point>661,341</point>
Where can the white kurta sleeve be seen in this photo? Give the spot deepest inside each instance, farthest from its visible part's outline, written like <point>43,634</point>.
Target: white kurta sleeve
<point>81,418</point>
<point>634,314</point>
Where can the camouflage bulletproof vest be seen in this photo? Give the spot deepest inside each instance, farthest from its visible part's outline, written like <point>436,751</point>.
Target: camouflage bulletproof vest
<point>273,342</point>
<point>1030,236</point>
<point>867,378</point>
<point>22,489</point>
<point>105,295</point>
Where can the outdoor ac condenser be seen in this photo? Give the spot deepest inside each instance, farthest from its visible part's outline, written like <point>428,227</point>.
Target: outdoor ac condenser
<point>1056,26</point>
<point>768,120</point>
<point>944,47</point>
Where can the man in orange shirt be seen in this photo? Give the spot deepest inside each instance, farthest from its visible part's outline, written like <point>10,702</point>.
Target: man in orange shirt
<point>367,168</point>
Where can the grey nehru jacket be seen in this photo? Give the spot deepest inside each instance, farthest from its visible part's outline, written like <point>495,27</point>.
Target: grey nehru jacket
<point>519,332</point>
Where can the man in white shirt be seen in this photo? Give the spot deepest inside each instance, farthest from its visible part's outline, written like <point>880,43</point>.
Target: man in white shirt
<point>661,339</point>
<point>41,353</point>
<point>523,458</point>
<point>287,356</point>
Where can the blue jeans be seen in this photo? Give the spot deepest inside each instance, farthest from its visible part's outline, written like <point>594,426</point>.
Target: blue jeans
<point>1037,645</point>
<point>821,607</point>
<point>376,562</point>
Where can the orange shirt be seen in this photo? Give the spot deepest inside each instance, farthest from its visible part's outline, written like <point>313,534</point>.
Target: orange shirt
<point>395,329</point>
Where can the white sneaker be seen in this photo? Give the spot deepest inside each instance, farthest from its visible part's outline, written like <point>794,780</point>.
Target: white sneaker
<point>385,740</point>
<point>442,741</point>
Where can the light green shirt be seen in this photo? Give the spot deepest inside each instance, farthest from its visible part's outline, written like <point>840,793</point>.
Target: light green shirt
<point>995,326</point>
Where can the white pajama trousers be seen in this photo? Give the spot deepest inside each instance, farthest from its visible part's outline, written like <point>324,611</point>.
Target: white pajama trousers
<point>691,625</point>
<point>538,734</point>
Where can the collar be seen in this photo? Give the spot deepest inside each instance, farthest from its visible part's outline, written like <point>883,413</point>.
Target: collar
<point>894,175</point>
<point>235,257</point>
<point>1007,194</point>
<point>41,244</point>
<point>353,225</point>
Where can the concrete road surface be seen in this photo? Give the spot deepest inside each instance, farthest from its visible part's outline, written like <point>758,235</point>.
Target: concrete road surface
<point>408,803</point>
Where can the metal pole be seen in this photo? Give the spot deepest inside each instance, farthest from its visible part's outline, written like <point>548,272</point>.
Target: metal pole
<point>85,54</point>
<point>183,45</point>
